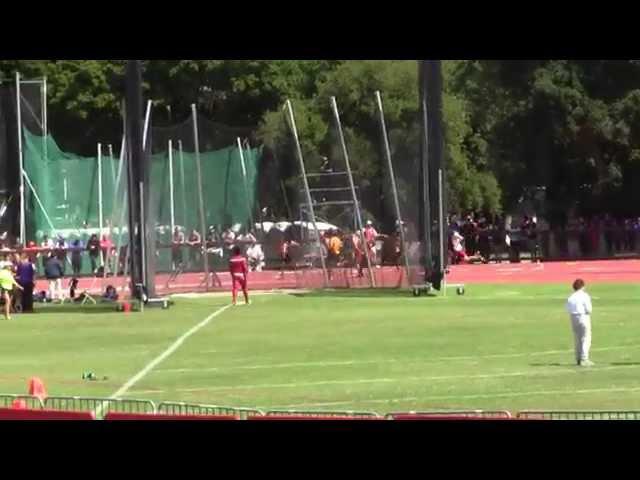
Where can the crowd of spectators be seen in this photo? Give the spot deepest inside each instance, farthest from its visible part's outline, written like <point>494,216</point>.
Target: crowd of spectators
<point>471,238</point>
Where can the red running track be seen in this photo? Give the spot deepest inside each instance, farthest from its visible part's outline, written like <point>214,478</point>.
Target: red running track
<point>595,271</point>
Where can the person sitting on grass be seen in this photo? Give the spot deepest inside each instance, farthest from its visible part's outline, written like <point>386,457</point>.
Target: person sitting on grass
<point>7,282</point>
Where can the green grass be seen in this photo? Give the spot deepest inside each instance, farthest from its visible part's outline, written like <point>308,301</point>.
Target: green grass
<point>497,347</point>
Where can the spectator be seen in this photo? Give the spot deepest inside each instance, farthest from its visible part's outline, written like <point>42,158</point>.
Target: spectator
<point>358,252</point>
<point>484,241</point>
<point>93,246</point>
<point>334,249</point>
<point>7,282</point>
<point>76,256</point>
<point>47,246</point>
<point>61,248</point>
<point>459,252</point>
<point>26,272</point>
<point>195,248</point>
<point>288,247</point>
<point>583,237</point>
<point>246,239</point>
<point>228,236</point>
<point>256,257</point>
<point>177,241</point>
<point>106,247</point>
<point>470,232</point>
<point>54,271</point>
<point>32,252</point>
<point>608,233</point>
<point>370,237</point>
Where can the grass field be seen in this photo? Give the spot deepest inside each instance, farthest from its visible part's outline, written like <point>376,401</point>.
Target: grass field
<point>497,347</point>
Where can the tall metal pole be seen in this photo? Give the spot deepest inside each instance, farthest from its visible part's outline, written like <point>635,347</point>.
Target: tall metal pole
<point>356,205</point>
<point>45,130</point>
<point>122,205</point>
<point>100,217</point>
<point>203,227</point>
<point>306,189</point>
<point>100,212</point>
<point>246,184</point>
<point>423,182</point>
<point>171,201</point>
<point>441,227</point>
<point>113,166</point>
<point>21,160</point>
<point>143,219</point>
<point>182,183</point>
<point>258,200</point>
<point>394,187</point>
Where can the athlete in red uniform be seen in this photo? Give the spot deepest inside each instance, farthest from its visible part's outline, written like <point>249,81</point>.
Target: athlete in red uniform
<point>238,269</point>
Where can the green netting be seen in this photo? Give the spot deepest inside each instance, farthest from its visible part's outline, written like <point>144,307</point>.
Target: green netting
<point>67,186</point>
<point>226,201</point>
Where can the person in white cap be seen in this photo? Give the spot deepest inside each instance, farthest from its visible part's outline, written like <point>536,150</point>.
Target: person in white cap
<point>579,309</point>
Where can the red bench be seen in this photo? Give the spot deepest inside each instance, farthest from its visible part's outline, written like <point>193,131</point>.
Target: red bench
<point>25,414</point>
<point>160,416</point>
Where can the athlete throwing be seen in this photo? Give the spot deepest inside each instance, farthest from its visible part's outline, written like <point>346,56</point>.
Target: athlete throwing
<point>238,270</point>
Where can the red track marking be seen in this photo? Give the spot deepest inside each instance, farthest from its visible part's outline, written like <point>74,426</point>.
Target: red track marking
<point>595,271</point>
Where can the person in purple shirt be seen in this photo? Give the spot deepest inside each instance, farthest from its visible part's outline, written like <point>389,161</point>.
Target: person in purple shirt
<point>26,272</point>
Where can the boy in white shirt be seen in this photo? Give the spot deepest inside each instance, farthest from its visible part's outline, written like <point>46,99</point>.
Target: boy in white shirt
<point>579,309</point>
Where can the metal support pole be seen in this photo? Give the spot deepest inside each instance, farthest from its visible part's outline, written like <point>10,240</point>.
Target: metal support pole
<point>307,192</point>
<point>113,167</point>
<point>356,205</point>
<point>21,160</point>
<point>246,184</point>
<point>203,227</point>
<point>261,218</point>
<point>441,228</point>
<point>171,200</point>
<point>182,184</point>
<point>143,220</point>
<point>142,234</point>
<point>45,130</point>
<point>423,183</point>
<point>100,213</point>
<point>394,187</point>
<point>122,206</point>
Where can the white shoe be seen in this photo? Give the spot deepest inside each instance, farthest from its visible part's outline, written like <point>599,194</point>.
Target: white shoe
<point>586,363</point>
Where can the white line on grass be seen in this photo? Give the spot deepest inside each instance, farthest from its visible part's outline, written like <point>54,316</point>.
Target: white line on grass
<point>338,363</point>
<point>469,397</point>
<point>172,348</point>
<point>568,370</point>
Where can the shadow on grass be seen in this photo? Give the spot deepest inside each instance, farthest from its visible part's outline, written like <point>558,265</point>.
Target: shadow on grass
<point>554,364</point>
<point>89,309</point>
<point>625,364</point>
<point>362,293</point>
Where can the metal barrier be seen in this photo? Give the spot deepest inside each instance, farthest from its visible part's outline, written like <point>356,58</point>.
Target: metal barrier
<point>100,405</point>
<point>452,414</point>
<point>180,408</point>
<point>579,415</point>
<point>318,413</point>
<point>33,403</point>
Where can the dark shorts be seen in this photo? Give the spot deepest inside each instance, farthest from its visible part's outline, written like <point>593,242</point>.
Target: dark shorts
<point>4,290</point>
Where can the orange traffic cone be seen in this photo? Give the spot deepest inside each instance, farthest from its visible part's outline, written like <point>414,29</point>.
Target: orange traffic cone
<point>19,404</point>
<point>36,388</point>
